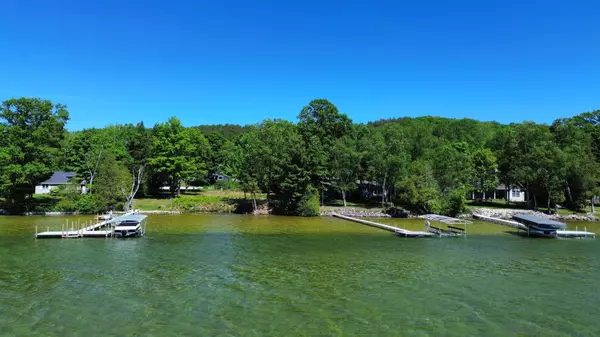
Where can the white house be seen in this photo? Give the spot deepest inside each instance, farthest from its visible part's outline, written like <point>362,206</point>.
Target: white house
<point>57,179</point>
<point>514,194</point>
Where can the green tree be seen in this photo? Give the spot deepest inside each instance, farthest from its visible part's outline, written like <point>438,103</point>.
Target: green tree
<point>320,124</point>
<point>507,154</point>
<point>112,183</point>
<point>250,167</point>
<point>345,164</point>
<point>32,134</point>
<point>177,153</point>
<point>418,191</point>
<point>452,166</point>
<point>484,170</point>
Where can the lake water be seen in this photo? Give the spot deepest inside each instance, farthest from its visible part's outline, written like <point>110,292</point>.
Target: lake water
<point>221,275</point>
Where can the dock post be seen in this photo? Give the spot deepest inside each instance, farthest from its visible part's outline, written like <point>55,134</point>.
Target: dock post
<point>36,231</point>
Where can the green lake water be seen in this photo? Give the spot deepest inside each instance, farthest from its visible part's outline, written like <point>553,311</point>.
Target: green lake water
<point>222,275</point>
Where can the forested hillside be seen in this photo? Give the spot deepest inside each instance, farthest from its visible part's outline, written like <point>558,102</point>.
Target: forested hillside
<point>425,164</point>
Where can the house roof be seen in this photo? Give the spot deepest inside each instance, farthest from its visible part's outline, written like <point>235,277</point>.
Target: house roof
<point>59,178</point>
<point>503,187</point>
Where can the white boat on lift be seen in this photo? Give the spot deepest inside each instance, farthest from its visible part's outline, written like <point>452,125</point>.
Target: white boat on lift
<point>131,225</point>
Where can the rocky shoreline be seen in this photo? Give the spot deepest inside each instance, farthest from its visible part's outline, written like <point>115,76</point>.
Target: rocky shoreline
<point>502,213</point>
<point>506,213</point>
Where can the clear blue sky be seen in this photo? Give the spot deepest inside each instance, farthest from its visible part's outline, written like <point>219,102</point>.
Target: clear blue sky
<point>211,62</point>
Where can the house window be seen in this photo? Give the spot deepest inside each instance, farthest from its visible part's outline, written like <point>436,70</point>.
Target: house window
<point>516,193</point>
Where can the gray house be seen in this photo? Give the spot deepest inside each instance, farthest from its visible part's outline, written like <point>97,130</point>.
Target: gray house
<point>219,177</point>
<point>57,179</point>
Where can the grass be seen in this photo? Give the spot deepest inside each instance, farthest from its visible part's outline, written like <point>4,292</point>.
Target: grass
<point>231,194</point>
<point>198,201</point>
<point>565,211</point>
<point>152,204</point>
<point>370,204</point>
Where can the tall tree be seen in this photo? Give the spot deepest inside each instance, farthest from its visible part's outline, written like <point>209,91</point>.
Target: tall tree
<point>345,164</point>
<point>177,153</point>
<point>321,124</point>
<point>250,166</point>
<point>32,133</point>
<point>418,190</point>
<point>484,170</point>
<point>112,183</point>
<point>453,166</point>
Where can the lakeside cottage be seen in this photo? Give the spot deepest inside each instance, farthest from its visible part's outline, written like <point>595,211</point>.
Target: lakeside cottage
<point>58,179</point>
<point>502,192</point>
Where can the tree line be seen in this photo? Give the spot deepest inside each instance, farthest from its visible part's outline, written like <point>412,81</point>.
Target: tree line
<point>424,164</point>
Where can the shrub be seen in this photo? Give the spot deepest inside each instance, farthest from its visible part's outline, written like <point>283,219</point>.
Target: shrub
<point>454,203</point>
<point>83,203</point>
<point>309,203</point>
<point>396,212</point>
<point>226,185</point>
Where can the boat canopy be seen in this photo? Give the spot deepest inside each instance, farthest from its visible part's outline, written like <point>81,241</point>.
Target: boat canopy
<point>532,220</point>
<point>445,219</point>
<point>130,218</point>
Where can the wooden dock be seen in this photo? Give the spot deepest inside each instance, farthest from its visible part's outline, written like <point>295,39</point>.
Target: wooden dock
<point>97,230</point>
<point>396,230</point>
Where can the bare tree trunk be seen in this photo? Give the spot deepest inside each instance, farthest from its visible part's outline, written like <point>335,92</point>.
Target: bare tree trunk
<point>93,168</point>
<point>383,190</point>
<point>593,207</point>
<point>548,200</point>
<point>535,202</point>
<point>343,196</point>
<point>507,190</point>
<point>569,192</point>
<point>136,182</point>
<point>482,190</point>
<point>254,205</point>
<point>322,196</point>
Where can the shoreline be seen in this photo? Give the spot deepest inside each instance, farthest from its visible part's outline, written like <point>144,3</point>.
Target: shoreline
<point>502,213</point>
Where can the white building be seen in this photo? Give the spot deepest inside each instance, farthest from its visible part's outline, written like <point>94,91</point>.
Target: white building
<point>57,179</point>
<point>514,194</point>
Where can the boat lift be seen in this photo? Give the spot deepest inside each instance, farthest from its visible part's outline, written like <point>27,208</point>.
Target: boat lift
<point>452,225</point>
<point>539,227</point>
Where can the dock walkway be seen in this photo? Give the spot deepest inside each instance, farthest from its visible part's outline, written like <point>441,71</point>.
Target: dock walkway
<point>88,231</point>
<point>503,222</point>
<point>396,230</point>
